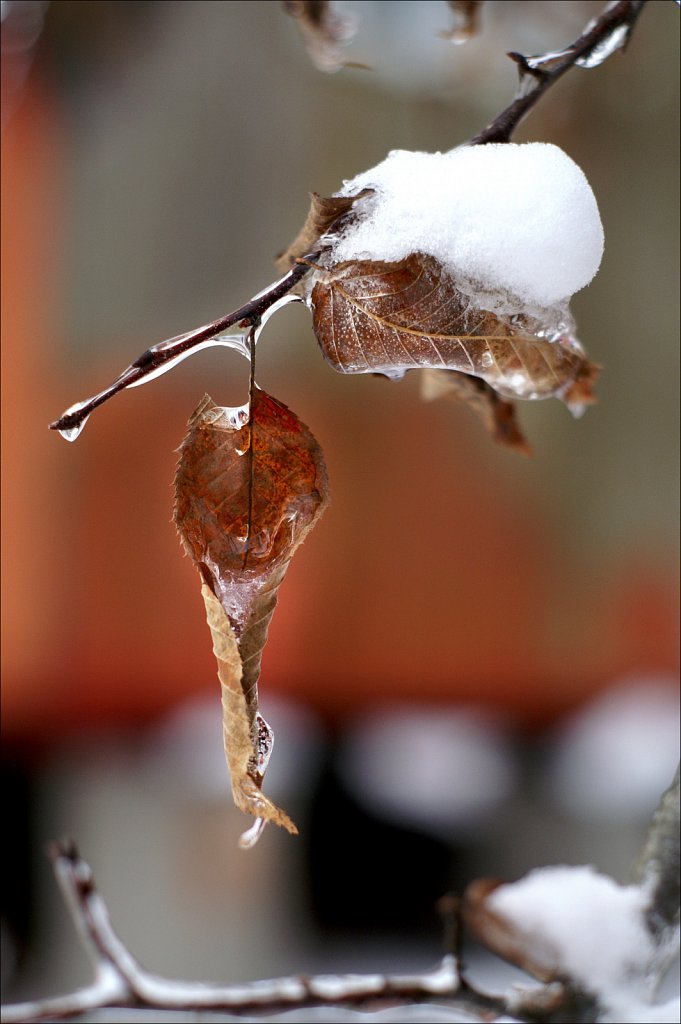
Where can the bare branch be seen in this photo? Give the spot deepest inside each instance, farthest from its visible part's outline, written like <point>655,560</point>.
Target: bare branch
<point>600,38</point>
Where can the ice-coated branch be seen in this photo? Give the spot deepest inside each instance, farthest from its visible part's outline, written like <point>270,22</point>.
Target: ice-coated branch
<point>120,981</point>
<point>601,37</point>
<point>155,360</point>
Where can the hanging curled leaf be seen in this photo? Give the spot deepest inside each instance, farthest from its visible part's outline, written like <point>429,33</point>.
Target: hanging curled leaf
<point>325,212</point>
<point>247,493</point>
<point>372,317</point>
<point>467,20</point>
<point>497,414</point>
<point>324,31</point>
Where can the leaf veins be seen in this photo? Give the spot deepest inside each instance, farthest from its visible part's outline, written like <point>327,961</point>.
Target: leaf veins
<point>373,317</point>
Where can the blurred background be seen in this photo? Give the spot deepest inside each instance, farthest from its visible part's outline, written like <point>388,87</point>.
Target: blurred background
<point>473,668</point>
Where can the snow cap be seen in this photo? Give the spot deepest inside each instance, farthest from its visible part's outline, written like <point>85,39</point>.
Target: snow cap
<point>514,219</point>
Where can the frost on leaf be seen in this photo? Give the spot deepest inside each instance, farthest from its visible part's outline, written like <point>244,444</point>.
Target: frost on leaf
<point>373,317</point>
<point>504,938</point>
<point>246,495</point>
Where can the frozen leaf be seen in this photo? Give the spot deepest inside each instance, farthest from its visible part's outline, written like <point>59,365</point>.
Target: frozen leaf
<point>497,414</point>
<point>323,30</point>
<point>372,317</point>
<point>247,492</point>
<point>324,213</point>
<point>467,20</point>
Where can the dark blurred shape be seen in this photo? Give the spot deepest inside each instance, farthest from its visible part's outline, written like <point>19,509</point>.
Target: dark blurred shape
<point>369,878</point>
<point>82,42</point>
<point>17,855</point>
<point>323,30</point>
<point>466,20</point>
<point>22,24</point>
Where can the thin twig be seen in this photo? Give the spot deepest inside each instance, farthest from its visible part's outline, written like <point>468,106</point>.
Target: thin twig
<point>154,359</point>
<point>120,981</point>
<point>546,70</point>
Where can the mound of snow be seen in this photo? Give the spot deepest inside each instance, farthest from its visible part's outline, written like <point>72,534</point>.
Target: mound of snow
<point>517,221</point>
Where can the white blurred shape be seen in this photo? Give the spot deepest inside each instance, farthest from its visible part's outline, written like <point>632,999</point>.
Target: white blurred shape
<point>433,769</point>
<point>594,929</point>
<point>616,756</point>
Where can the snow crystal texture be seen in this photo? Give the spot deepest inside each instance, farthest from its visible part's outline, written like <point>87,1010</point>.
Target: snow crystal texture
<point>518,219</point>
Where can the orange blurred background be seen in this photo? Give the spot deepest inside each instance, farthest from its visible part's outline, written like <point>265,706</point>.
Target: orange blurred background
<point>444,570</point>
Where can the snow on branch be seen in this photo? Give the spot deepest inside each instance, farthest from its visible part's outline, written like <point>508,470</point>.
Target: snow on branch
<point>120,981</point>
<point>596,948</point>
<point>601,37</point>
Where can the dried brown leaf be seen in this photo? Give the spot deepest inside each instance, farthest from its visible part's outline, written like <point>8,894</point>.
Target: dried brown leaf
<point>467,25</point>
<point>324,212</point>
<point>372,317</point>
<point>497,414</point>
<point>323,30</point>
<point>246,495</point>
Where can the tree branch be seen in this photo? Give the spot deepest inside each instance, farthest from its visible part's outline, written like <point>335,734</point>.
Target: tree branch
<point>120,981</point>
<point>657,871</point>
<point>600,38</point>
<point>161,357</point>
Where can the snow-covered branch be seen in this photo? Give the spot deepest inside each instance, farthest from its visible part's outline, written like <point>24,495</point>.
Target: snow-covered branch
<point>587,940</point>
<point>120,981</point>
<point>601,37</point>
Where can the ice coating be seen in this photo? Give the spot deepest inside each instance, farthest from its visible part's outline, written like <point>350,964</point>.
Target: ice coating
<point>518,219</point>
